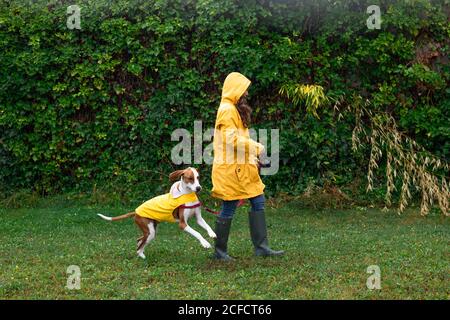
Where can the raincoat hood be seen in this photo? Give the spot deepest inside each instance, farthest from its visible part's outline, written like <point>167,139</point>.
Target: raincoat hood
<point>234,87</point>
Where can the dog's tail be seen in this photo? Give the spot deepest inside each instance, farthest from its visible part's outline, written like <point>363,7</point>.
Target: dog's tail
<point>125,216</point>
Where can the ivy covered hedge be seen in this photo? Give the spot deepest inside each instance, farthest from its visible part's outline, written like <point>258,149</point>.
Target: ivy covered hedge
<point>97,106</point>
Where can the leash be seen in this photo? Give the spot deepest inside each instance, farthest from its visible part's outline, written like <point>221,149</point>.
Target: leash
<point>216,213</point>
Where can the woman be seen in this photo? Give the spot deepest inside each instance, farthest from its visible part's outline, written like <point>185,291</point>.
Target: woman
<point>235,173</point>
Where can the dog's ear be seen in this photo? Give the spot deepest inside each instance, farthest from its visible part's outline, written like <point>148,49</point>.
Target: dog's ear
<point>175,176</point>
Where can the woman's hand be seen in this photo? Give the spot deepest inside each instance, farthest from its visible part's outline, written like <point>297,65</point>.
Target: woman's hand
<point>261,149</point>
<point>264,161</point>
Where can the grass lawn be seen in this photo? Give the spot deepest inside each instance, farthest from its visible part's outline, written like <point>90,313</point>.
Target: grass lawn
<point>328,253</point>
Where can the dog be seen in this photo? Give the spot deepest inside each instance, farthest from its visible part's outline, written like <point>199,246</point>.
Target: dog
<point>155,211</point>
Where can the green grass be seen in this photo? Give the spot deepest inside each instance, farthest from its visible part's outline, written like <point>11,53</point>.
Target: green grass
<point>328,253</point>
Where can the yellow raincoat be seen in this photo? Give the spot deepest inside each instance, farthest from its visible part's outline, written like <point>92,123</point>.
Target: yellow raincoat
<point>235,173</point>
<point>161,208</point>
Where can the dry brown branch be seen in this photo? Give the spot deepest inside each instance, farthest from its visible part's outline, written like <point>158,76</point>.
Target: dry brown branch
<point>406,161</point>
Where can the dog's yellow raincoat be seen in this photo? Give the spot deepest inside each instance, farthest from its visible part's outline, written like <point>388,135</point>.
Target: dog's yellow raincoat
<point>234,177</point>
<point>161,208</point>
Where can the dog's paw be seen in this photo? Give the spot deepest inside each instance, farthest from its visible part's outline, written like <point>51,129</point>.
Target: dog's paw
<point>206,244</point>
<point>141,255</point>
<point>212,235</point>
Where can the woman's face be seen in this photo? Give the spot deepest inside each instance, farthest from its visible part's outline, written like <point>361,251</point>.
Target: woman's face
<point>245,95</point>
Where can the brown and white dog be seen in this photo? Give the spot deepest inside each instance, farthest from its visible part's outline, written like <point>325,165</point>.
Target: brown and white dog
<point>187,183</point>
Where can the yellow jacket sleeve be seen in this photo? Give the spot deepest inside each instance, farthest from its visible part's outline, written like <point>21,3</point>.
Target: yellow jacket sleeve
<point>227,125</point>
